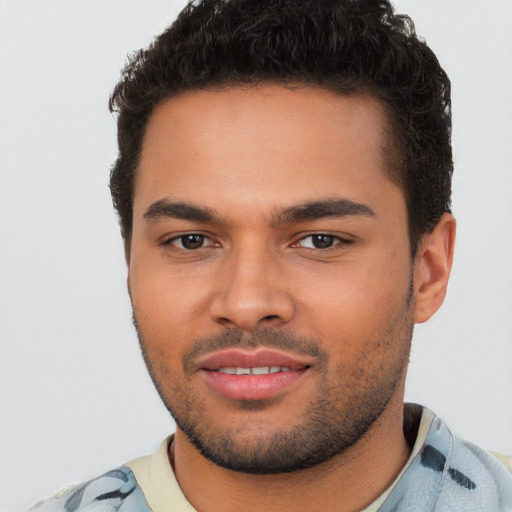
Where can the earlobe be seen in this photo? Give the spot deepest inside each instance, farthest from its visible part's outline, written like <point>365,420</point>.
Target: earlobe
<point>432,268</point>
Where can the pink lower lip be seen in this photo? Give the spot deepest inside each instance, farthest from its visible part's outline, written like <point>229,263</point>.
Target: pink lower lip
<point>251,387</point>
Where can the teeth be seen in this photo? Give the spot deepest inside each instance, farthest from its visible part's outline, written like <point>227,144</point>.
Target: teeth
<point>228,369</point>
<point>258,370</point>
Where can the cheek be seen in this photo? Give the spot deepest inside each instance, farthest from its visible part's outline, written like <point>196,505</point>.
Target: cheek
<point>354,303</point>
<point>167,304</point>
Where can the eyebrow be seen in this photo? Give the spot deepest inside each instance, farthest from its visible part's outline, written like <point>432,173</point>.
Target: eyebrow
<point>314,210</point>
<point>164,208</point>
<point>322,209</point>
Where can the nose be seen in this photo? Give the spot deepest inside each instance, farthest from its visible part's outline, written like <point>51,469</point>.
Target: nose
<point>251,292</point>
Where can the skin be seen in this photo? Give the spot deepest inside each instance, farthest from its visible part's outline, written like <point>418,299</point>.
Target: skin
<point>234,152</point>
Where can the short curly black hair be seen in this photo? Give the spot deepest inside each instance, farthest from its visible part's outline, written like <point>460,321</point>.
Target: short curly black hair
<point>345,46</point>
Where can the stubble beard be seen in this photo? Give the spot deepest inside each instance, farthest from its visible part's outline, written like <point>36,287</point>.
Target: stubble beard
<point>347,401</point>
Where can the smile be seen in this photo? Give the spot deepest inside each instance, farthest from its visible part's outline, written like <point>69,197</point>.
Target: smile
<point>247,384</point>
<point>239,374</point>
<point>259,370</point>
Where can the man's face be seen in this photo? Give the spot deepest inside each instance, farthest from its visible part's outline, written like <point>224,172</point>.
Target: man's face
<point>268,240</point>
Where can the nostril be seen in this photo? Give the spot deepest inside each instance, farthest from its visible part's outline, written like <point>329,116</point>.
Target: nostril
<point>269,317</point>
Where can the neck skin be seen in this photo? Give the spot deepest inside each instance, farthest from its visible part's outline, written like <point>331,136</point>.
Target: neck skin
<point>348,482</point>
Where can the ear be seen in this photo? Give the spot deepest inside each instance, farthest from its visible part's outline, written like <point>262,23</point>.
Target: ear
<point>432,266</point>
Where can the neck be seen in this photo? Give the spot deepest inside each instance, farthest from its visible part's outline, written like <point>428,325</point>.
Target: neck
<point>349,481</point>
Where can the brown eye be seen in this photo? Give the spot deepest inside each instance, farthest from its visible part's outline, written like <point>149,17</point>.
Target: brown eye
<point>322,241</point>
<point>318,241</point>
<point>188,242</point>
<point>192,241</point>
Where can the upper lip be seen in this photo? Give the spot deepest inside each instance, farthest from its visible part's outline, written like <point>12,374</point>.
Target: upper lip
<point>251,359</point>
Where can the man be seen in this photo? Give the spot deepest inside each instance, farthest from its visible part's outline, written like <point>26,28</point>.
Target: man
<point>283,186</point>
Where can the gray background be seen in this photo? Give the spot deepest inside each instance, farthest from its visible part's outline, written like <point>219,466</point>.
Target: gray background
<point>74,396</point>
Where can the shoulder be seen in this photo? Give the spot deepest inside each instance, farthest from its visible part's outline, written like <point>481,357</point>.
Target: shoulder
<point>117,490</point>
<point>477,478</point>
<point>448,474</point>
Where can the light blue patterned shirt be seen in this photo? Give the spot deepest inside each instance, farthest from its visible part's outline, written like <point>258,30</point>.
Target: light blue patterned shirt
<point>443,474</point>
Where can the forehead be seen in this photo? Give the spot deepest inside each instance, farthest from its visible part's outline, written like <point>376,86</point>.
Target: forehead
<point>264,143</point>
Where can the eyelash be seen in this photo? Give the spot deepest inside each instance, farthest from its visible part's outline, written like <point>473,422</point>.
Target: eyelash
<point>185,236</point>
<point>333,241</point>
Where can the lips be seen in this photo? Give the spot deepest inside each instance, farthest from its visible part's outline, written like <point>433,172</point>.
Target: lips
<point>251,375</point>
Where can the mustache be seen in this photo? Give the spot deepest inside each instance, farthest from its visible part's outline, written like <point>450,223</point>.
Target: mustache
<point>263,337</point>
